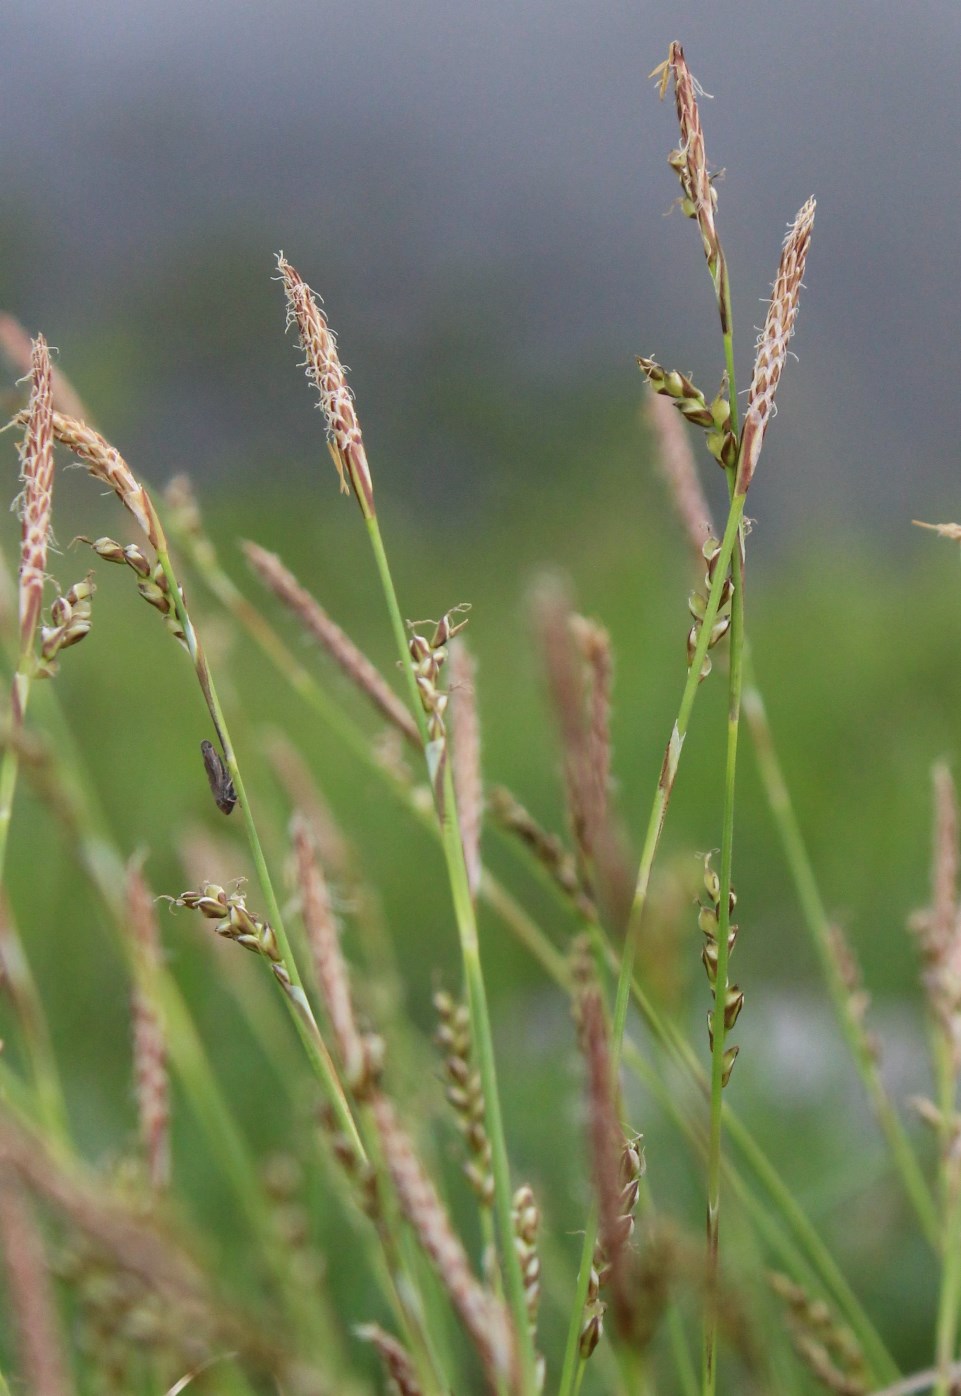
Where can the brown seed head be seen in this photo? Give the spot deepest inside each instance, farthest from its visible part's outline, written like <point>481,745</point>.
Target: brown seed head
<point>945,530</point>
<point>36,473</point>
<point>567,681</point>
<point>326,372</point>
<point>104,462</point>
<point>679,469</point>
<point>483,1316</point>
<point>329,635</point>
<point>772,343</point>
<point>395,1357</point>
<point>605,1134</point>
<point>16,347</point>
<point>330,967</point>
<point>690,160</point>
<point>149,1036</point>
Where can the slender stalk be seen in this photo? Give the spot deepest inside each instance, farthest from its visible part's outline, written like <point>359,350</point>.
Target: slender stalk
<point>686,1375</point>
<point>105,870</point>
<point>719,1012</point>
<point>818,925</point>
<point>298,1003</point>
<point>668,772</point>
<point>652,840</point>
<point>529,934</point>
<point>481,1034</point>
<point>719,1035</point>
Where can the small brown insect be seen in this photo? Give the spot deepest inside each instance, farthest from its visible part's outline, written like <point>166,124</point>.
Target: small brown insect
<point>221,785</point>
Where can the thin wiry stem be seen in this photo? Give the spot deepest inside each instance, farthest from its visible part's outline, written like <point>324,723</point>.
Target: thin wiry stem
<point>481,1034</point>
<point>665,785</point>
<point>533,939</point>
<point>347,447</point>
<point>680,469</point>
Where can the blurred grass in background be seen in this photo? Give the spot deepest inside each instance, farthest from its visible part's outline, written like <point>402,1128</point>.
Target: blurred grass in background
<point>856,651</point>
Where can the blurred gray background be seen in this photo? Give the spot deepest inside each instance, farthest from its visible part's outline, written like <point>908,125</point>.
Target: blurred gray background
<point>480,191</point>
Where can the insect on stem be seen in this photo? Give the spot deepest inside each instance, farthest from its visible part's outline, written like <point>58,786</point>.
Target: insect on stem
<point>221,785</point>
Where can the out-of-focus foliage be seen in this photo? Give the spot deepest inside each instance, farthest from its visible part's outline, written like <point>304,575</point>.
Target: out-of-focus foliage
<point>857,655</point>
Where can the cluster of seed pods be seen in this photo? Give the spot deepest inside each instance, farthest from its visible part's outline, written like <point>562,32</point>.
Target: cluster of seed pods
<point>697,605</point>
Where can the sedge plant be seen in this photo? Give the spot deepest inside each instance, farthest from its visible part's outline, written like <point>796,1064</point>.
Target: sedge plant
<point>128,1300</point>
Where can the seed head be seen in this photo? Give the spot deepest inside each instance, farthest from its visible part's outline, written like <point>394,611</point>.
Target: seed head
<point>772,343</point>
<point>36,473</point>
<point>327,373</point>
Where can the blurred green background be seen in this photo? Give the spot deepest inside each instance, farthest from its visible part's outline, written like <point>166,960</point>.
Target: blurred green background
<point>854,653</point>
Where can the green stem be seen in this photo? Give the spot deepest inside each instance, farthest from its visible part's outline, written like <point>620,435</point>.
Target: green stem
<point>651,841</point>
<point>296,997</point>
<point>709,1374</point>
<point>806,1257</point>
<point>530,935</point>
<point>819,928</point>
<point>481,1034</point>
<point>666,779</point>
